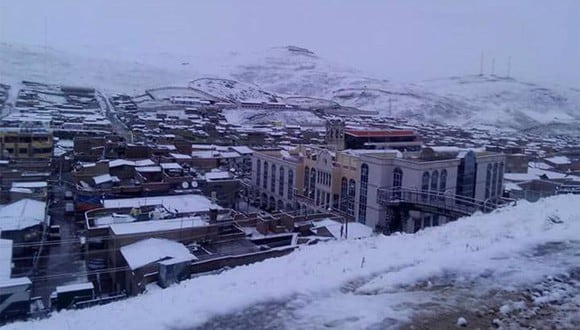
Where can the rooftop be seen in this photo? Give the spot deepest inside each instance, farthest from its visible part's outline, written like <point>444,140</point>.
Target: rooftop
<point>22,214</point>
<point>179,203</point>
<point>157,225</point>
<point>379,133</point>
<point>151,250</point>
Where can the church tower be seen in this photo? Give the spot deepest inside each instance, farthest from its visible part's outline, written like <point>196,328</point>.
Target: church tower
<point>335,134</point>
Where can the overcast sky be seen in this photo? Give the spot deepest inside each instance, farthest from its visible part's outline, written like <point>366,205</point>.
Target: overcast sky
<point>400,40</point>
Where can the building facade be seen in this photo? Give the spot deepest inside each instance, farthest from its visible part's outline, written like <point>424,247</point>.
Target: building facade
<point>348,181</point>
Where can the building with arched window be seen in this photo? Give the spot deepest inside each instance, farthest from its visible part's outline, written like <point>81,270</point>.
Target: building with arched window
<point>317,179</point>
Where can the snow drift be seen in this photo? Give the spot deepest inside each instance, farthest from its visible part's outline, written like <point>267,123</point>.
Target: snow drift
<point>360,281</point>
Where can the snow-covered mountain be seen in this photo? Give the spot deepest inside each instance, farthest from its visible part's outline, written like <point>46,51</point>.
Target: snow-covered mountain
<point>293,73</point>
<point>471,100</point>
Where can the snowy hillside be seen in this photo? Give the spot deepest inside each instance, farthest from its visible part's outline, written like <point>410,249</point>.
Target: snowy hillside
<point>299,75</point>
<point>53,66</point>
<point>471,268</point>
<point>468,100</point>
<point>232,90</point>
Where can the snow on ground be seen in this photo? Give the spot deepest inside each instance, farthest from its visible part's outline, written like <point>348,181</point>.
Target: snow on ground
<point>288,117</point>
<point>360,283</point>
<point>232,90</point>
<point>48,65</point>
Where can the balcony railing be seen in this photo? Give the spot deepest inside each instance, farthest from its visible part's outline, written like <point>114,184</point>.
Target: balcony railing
<point>388,196</point>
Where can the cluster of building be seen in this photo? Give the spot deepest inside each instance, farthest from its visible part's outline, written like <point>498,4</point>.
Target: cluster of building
<point>156,188</point>
<point>68,111</point>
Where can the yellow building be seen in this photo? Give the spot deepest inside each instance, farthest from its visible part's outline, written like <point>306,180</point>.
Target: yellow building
<point>24,143</point>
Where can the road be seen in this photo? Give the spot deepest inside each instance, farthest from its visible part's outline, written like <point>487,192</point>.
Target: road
<point>118,126</point>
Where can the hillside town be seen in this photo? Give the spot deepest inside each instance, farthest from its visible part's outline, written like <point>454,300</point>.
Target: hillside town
<point>104,195</point>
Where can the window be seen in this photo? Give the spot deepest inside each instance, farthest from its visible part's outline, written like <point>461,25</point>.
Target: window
<point>23,150</point>
<point>343,194</point>
<point>436,219</point>
<point>306,180</point>
<point>317,197</point>
<point>362,206</point>
<point>273,179</point>
<point>500,181</point>
<point>488,181</point>
<point>258,172</point>
<point>443,181</point>
<point>425,184</point>
<point>466,175</point>
<point>281,182</point>
<point>265,181</point>
<point>290,192</point>
<point>351,196</point>
<point>434,183</point>
<point>312,182</point>
<point>494,181</point>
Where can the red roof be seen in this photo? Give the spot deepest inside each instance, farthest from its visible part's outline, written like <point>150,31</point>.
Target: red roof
<point>370,133</point>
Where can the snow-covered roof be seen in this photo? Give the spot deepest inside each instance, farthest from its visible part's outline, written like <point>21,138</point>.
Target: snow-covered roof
<point>104,178</point>
<point>5,259</point>
<point>15,281</point>
<point>157,225</point>
<point>148,169</point>
<point>144,162</point>
<point>120,162</point>
<point>355,229</point>
<point>114,218</point>
<point>217,175</point>
<point>36,184</point>
<point>559,160</point>
<point>22,214</point>
<point>181,203</point>
<point>242,150</point>
<point>151,250</point>
<point>75,287</point>
<point>170,166</point>
<point>180,156</point>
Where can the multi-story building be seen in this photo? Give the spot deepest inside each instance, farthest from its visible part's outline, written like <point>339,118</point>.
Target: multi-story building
<point>275,174</point>
<point>25,143</point>
<point>348,181</point>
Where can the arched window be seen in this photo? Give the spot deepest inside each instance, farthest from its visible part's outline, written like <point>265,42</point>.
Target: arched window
<point>500,180</point>
<point>280,205</point>
<point>281,182</point>
<point>362,206</point>
<point>434,183</point>
<point>443,181</point>
<point>351,196</point>
<point>343,194</point>
<point>494,180</point>
<point>290,184</point>
<point>306,180</point>
<point>265,181</point>
<point>312,182</point>
<point>258,172</point>
<point>273,179</point>
<point>425,184</point>
<point>488,181</point>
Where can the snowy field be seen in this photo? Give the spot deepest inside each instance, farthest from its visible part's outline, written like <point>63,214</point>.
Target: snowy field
<point>475,266</point>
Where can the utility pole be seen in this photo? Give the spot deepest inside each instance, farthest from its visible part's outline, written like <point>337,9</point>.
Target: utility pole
<point>493,66</point>
<point>509,66</point>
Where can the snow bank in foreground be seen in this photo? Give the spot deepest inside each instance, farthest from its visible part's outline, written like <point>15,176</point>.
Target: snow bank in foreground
<point>494,245</point>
